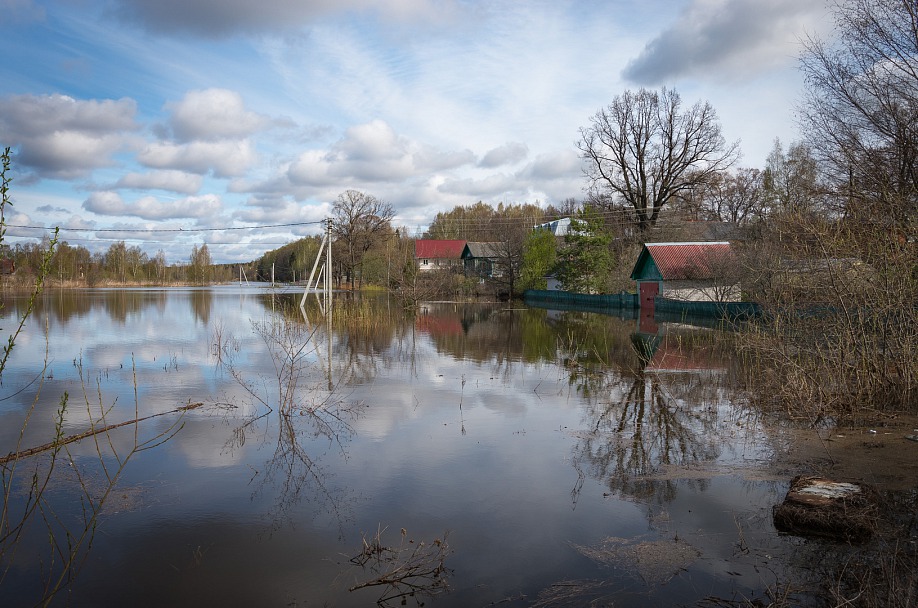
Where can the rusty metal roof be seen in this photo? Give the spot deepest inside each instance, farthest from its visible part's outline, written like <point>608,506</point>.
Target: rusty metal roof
<point>681,261</point>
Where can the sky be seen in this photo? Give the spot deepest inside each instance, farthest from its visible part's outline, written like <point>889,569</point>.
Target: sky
<point>234,123</point>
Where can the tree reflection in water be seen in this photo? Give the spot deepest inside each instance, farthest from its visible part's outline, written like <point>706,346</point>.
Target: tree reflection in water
<point>641,422</point>
<point>311,419</point>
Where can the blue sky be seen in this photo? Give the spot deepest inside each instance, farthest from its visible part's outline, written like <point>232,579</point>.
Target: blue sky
<point>138,116</point>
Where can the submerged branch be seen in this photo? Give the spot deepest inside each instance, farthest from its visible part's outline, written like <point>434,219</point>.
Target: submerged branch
<point>14,456</point>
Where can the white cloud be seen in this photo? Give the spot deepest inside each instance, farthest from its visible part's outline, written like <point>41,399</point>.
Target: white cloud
<point>226,158</point>
<point>62,137</point>
<point>487,187</point>
<point>508,154</point>
<point>213,114</point>
<point>217,18</point>
<point>173,181</point>
<point>280,211</point>
<point>372,153</point>
<point>150,208</point>
<point>559,165</point>
<point>726,39</point>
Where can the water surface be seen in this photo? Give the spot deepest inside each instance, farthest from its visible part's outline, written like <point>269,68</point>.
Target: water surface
<point>563,456</point>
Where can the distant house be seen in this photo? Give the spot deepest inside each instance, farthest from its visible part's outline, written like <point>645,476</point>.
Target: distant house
<point>434,254</point>
<point>559,227</point>
<point>686,271</point>
<point>7,266</point>
<point>481,259</point>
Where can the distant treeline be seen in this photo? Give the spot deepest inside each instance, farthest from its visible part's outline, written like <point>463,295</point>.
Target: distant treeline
<point>119,264</point>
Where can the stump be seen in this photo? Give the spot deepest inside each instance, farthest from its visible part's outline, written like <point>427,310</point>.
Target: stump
<point>815,506</point>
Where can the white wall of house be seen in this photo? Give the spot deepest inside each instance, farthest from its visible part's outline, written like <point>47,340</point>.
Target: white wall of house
<point>437,263</point>
<point>701,291</point>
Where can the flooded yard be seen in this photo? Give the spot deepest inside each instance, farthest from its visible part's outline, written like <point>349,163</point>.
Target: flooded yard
<point>454,455</point>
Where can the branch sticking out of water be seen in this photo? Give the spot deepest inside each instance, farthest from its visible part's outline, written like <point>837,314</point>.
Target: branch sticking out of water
<point>409,570</point>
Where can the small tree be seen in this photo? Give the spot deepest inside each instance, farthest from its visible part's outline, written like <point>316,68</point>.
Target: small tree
<point>586,261</point>
<point>200,266</point>
<point>540,253</point>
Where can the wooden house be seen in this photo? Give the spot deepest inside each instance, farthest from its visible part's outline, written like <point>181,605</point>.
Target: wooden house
<point>435,254</point>
<point>701,271</point>
<point>481,259</point>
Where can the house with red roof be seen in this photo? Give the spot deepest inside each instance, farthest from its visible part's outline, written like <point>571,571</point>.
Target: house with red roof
<point>702,271</point>
<point>436,254</point>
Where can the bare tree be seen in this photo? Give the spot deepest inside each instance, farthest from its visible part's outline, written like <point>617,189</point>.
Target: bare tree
<point>735,197</point>
<point>646,150</point>
<point>791,180</point>
<point>861,108</point>
<point>358,220</point>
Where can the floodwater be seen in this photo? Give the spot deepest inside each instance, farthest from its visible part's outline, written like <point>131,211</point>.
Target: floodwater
<point>502,454</point>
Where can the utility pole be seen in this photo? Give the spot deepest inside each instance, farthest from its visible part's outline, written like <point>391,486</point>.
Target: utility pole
<point>325,272</point>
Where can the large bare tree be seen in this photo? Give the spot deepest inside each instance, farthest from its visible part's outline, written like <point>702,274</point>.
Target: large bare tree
<point>358,221</point>
<point>645,149</point>
<point>861,108</point>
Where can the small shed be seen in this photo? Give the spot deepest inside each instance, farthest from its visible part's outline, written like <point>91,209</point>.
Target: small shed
<point>436,254</point>
<point>699,271</point>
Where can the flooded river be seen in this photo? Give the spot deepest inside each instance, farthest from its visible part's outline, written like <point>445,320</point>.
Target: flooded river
<point>456,455</point>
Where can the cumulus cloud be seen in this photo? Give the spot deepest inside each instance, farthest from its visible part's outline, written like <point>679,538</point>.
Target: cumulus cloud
<point>561,165</point>
<point>372,152</point>
<point>484,187</point>
<point>725,38</point>
<point>213,114</point>
<point>218,18</point>
<point>76,222</point>
<point>150,208</point>
<point>62,137</point>
<point>226,158</point>
<point>262,210</point>
<point>508,154</point>
<point>171,180</point>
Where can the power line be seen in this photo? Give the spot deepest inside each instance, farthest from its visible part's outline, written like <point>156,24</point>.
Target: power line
<point>187,230</point>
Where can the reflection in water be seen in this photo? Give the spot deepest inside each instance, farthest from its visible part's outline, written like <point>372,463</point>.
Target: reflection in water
<point>201,303</point>
<point>638,431</point>
<point>449,417</point>
<point>659,414</point>
<point>311,418</point>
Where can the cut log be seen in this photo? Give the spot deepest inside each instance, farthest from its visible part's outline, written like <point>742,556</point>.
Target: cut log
<point>815,506</point>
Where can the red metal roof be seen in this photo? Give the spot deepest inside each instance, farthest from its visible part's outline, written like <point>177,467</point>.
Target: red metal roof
<point>438,250</point>
<point>680,261</point>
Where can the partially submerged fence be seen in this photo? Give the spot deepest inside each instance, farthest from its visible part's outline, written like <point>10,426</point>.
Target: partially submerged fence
<point>600,301</point>
<point>627,301</point>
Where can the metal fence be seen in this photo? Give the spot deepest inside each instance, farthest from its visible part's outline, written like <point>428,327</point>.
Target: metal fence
<point>593,301</point>
<point>625,300</point>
